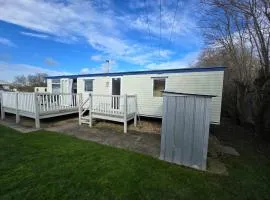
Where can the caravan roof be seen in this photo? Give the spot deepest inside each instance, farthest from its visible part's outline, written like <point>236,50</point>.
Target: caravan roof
<point>163,71</point>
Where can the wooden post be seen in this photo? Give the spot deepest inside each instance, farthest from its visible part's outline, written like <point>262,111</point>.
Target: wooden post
<point>17,108</point>
<point>2,106</point>
<point>125,113</point>
<point>37,120</point>
<point>136,110</point>
<point>80,109</point>
<point>90,109</point>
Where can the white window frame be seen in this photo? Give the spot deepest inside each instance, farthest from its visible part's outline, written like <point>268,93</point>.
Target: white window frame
<point>85,85</point>
<point>56,82</point>
<point>153,84</point>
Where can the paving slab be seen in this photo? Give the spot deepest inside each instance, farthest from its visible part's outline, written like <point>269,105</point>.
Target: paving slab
<point>229,150</point>
<point>18,127</point>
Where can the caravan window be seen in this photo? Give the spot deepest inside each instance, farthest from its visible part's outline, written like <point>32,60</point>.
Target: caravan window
<point>55,85</point>
<point>88,85</point>
<point>158,86</point>
<point>56,81</point>
<point>55,88</point>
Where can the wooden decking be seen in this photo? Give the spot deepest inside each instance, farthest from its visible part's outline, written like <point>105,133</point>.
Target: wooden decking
<point>45,105</point>
<point>38,105</point>
<point>109,107</point>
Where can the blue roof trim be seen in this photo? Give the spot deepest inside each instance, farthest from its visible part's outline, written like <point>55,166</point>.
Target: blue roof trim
<point>163,71</point>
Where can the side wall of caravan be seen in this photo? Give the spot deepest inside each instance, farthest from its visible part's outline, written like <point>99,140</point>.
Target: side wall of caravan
<point>210,83</point>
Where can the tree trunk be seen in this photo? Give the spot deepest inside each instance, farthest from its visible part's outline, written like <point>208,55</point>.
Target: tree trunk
<point>263,113</point>
<point>243,105</point>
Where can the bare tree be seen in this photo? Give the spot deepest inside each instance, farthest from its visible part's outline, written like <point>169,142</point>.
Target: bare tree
<point>37,80</point>
<point>241,28</point>
<point>20,80</point>
<point>257,19</point>
<point>225,32</point>
<point>28,83</point>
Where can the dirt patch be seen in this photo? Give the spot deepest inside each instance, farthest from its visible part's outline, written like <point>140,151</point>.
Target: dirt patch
<point>149,126</point>
<point>144,125</point>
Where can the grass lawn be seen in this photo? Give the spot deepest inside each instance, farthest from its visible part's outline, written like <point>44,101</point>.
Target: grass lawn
<point>45,165</point>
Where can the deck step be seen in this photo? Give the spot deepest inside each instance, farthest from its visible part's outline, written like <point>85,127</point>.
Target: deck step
<point>85,118</point>
<point>84,122</point>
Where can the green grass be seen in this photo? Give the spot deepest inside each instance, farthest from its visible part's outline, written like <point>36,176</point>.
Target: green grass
<point>45,165</point>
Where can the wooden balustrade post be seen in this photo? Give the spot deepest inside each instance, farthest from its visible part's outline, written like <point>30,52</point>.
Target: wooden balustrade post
<point>37,110</point>
<point>136,110</point>
<point>2,106</point>
<point>125,113</point>
<point>17,108</point>
<point>90,109</point>
<point>80,108</point>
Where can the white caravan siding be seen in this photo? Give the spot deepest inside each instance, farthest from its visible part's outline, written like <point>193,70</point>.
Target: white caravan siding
<point>142,86</point>
<point>210,82</point>
<point>99,86</point>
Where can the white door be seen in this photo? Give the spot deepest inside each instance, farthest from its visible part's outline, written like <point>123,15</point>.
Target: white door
<point>66,90</point>
<point>116,90</point>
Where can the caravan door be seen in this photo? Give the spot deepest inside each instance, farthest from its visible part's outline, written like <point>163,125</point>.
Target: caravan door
<point>66,91</point>
<point>116,90</point>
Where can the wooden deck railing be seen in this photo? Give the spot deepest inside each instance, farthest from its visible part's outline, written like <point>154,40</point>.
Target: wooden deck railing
<point>120,108</point>
<point>52,102</point>
<point>113,104</point>
<point>37,105</point>
<point>107,104</point>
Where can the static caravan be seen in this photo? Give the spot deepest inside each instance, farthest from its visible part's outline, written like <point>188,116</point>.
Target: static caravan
<point>146,85</point>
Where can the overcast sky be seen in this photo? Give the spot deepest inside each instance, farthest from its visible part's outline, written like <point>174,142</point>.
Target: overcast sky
<point>72,37</point>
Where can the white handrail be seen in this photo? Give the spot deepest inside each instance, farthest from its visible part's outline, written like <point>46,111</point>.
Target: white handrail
<point>51,101</point>
<point>120,108</point>
<point>86,100</point>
